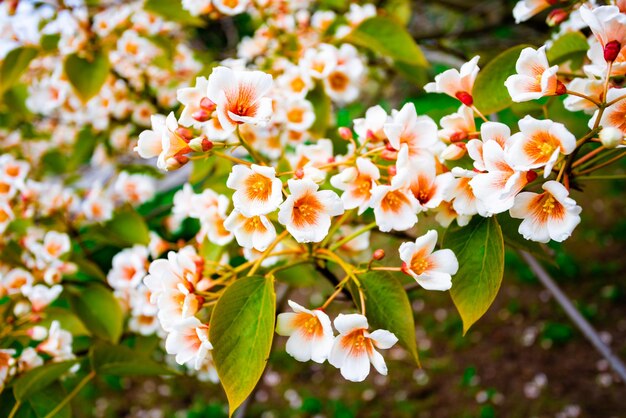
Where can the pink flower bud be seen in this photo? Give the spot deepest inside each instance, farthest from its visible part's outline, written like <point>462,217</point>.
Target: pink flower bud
<point>556,17</point>
<point>345,133</point>
<point>299,173</point>
<point>379,254</point>
<point>201,115</point>
<point>184,133</point>
<point>611,50</point>
<point>207,104</point>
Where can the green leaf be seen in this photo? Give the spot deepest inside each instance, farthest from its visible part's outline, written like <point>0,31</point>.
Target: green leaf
<point>87,76</point>
<point>14,64</point>
<point>241,331</point>
<point>98,309</point>
<point>129,227</point>
<point>571,46</point>
<point>490,94</point>
<point>322,107</point>
<point>67,320</point>
<point>39,378</point>
<point>479,247</point>
<point>119,360</point>
<point>385,36</point>
<point>172,11</point>
<point>388,307</point>
<point>399,9</point>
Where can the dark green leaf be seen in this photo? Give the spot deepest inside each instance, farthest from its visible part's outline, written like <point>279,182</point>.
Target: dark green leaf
<point>241,331</point>
<point>490,94</point>
<point>98,309</point>
<point>388,307</point>
<point>87,76</point>
<point>129,227</point>
<point>42,403</point>
<point>479,247</point>
<point>39,378</point>
<point>14,64</point>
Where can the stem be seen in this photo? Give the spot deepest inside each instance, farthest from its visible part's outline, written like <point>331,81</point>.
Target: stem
<point>71,395</point>
<point>231,158</point>
<point>331,256</point>
<point>335,293</point>
<point>584,96</point>
<point>604,164</point>
<point>607,177</point>
<point>587,156</point>
<point>479,113</point>
<point>606,82</point>
<point>351,236</point>
<point>17,405</point>
<point>253,153</point>
<point>612,102</point>
<point>267,252</point>
<point>335,227</point>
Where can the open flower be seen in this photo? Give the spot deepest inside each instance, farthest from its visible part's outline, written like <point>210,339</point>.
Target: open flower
<point>615,115</point>
<point>539,144</point>
<point>608,25</point>
<point>189,341</point>
<point>534,78</point>
<point>525,9</point>
<point>548,215</point>
<point>306,212</point>
<point>310,333</point>
<point>418,132</point>
<point>197,107</point>
<point>257,190</point>
<point>432,270</point>
<point>395,208</point>
<point>239,96</point>
<point>357,183</point>
<point>251,232</point>
<point>457,83</point>
<point>355,347</point>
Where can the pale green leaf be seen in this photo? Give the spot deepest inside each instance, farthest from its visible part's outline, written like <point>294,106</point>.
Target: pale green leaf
<point>241,331</point>
<point>322,107</point>
<point>571,46</point>
<point>172,11</point>
<point>14,64</point>
<point>129,227</point>
<point>479,248</point>
<point>98,309</point>
<point>490,94</point>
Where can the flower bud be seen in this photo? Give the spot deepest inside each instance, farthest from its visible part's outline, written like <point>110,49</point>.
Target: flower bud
<point>299,173</point>
<point>184,133</point>
<point>389,147</point>
<point>389,155</point>
<point>560,88</point>
<point>531,176</point>
<point>201,115</point>
<point>379,254</point>
<point>556,17</point>
<point>200,144</point>
<point>465,98</point>
<point>207,104</point>
<point>37,333</point>
<point>392,170</point>
<point>611,137</point>
<point>611,50</point>
<point>454,151</point>
<point>458,136</point>
<point>345,133</point>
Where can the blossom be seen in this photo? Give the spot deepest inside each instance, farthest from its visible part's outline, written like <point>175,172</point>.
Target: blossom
<point>418,132</point>
<point>587,86</point>
<point>539,143</point>
<point>458,126</point>
<point>197,107</point>
<point>299,115</point>
<point>41,295</point>
<point>489,131</point>
<point>134,188</point>
<point>310,333</point>
<point>433,270</point>
<point>355,347</point>
<point>129,268</point>
<point>189,340</point>
<point>357,183</point>
<point>16,279</point>
<point>251,232</point>
<point>534,78</point>
<point>548,215</point>
<point>6,365</point>
<point>457,83</point>
<point>525,9</point>
<point>372,125</point>
<point>395,207</point>
<point>239,96</point>
<point>55,244</point>
<point>608,25</point>
<point>257,190</point>
<point>58,344</point>
<point>231,7</point>
<point>614,115</point>
<point>306,212</point>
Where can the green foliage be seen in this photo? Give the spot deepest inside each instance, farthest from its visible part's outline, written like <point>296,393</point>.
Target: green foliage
<point>322,107</point>
<point>39,378</point>
<point>490,94</point>
<point>173,11</point>
<point>14,64</point>
<point>43,402</point>
<point>479,248</point>
<point>572,46</point>
<point>87,75</point>
<point>98,309</point>
<point>129,227</point>
<point>387,37</point>
<point>67,320</point>
<point>119,360</point>
<point>241,331</point>
<point>388,307</point>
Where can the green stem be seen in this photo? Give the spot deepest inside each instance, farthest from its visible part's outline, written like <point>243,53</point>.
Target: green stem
<point>253,153</point>
<point>607,177</point>
<point>17,405</point>
<point>352,236</point>
<point>71,395</point>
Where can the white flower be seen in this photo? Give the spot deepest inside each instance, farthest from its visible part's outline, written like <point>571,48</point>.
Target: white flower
<point>394,208</point>
<point>525,9</point>
<point>257,190</point>
<point>16,279</point>
<point>534,78</point>
<point>355,348</point>
<point>310,333</point>
<point>457,83</point>
<point>418,132</point>
<point>615,115</point>
<point>58,344</point>
<point>134,188</point>
<point>306,212</point>
<point>549,215</point>
<point>189,340</point>
<point>41,295</point>
<point>357,183</point>
<point>433,270</point>
<point>239,96</point>
<point>251,232</point>
<point>538,144</point>
<point>129,268</point>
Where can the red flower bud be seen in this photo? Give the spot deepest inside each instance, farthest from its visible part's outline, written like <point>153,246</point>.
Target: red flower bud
<point>184,133</point>
<point>201,115</point>
<point>206,144</point>
<point>560,88</point>
<point>207,104</point>
<point>531,176</point>
<point>465,98</point>
<point>389,146</point>
<point>330,160</point>
<point>181,159</point>
<point>611,50</point>
<point>299,173</point>
<point>556,17</point>
<point>379,254</point>
<point>458,136</point>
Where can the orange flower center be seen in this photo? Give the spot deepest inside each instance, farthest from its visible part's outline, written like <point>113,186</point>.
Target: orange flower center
<point>338,81</point>
<point>258,187</point>
<point>306,210</point>
<point>393,201</point>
